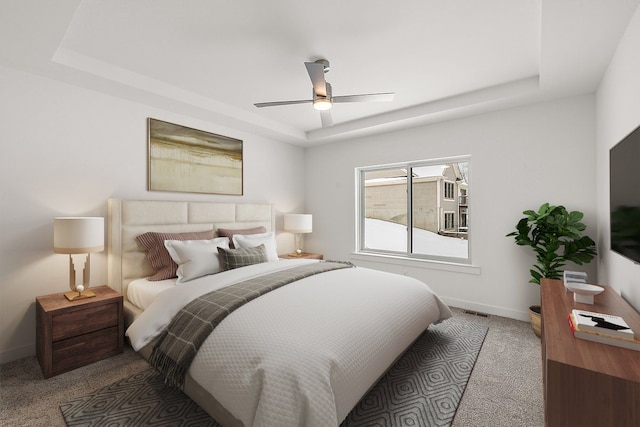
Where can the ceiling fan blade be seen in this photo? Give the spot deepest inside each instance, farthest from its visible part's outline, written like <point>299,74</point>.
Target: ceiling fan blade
<point>316,73</point>
<point>276,103</point>
<point>326,119</point>
<point>372,97</point>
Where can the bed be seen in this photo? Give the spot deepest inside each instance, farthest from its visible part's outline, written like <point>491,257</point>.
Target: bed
<point>302,354</point>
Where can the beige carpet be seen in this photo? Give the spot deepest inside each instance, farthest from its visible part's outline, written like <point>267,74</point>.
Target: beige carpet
<point>505,388</point>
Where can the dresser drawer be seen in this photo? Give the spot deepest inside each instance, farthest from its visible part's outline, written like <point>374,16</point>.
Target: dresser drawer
<point>84,349</point>
<point>78,322</point>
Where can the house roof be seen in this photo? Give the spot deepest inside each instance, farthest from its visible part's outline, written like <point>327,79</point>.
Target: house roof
<point>213,60</point>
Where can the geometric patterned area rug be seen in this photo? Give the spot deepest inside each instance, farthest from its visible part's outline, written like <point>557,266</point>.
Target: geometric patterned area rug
<point>142,399</point>
<point>423,388</point>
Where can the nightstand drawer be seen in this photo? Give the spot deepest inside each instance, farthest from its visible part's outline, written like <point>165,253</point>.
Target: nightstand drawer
<point>84,349</point>
<point>78,322</point>
<point>70,334</point>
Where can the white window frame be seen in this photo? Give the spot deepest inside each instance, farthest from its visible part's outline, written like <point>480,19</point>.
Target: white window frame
<point>463,221</point>
<point>452,215</point>
<point>452,186</point>
<point>360,211</point>
<point>464,194</point>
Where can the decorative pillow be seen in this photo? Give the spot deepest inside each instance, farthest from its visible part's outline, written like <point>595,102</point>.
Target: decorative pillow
<point>253,240</point>
<point>228,232</point>
<point>196,258</point>
<point>157,254</point>
<point>235,258</point>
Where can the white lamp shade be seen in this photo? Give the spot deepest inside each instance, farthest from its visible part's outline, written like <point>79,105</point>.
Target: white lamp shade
<point>78,235</point>
<point>298,223</point>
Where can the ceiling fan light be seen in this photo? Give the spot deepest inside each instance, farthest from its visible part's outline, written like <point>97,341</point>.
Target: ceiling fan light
<point>322,104</point>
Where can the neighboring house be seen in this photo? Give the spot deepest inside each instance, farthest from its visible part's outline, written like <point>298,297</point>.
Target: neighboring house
<point>440,195</point>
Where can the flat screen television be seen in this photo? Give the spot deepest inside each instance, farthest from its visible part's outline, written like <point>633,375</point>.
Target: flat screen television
<point>624,170</point>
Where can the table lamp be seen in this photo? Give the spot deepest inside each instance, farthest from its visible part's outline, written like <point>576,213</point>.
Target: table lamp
<point>298,224</point>
<point>77,236</point>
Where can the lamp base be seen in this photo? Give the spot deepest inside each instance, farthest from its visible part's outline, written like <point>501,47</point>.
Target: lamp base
<point>74,296</point>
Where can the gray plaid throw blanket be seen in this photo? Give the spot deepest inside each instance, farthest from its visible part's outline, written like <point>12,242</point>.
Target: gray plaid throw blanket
<point>178,344</point>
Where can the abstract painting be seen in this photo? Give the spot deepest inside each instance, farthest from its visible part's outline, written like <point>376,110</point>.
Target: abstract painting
<point>183,159</point>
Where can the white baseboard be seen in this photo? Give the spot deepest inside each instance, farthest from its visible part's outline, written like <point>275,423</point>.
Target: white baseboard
<point>7,356</point>
<point>488,309</point>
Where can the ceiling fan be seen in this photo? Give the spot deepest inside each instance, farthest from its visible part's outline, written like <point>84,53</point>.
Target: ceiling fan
<point>323,98</point>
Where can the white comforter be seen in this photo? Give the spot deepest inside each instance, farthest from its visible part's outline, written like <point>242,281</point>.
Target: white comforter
<point>304,354</point>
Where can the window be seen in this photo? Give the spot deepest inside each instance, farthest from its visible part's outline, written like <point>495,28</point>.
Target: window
<point>416,209</point>
<point>463,220</point>
<point>448,220</point>
<point>463,197</point>
<point>449,188</point>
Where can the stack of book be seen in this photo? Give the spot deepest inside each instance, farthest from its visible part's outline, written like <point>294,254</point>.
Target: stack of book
<point>573,277</point>
<point>603,328</point>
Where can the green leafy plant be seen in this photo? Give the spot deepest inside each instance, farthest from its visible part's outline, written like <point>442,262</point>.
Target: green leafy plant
<point>555,235</point>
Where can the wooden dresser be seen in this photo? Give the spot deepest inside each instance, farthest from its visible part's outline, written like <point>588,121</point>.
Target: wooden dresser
<point>70,334</point>
<point>587,383</point>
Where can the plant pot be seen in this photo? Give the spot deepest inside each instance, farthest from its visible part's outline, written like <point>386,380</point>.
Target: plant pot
<point>534,318</point>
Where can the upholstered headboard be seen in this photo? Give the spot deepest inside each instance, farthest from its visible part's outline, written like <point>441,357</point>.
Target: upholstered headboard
<point>130,218</point>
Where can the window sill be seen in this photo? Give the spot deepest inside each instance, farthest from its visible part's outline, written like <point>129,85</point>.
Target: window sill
<point>419,263</point>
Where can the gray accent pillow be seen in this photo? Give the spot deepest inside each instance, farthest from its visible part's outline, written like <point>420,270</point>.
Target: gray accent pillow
<point>235,258</point>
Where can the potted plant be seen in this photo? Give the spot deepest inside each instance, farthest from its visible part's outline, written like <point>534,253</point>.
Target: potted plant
<point>555,235</point>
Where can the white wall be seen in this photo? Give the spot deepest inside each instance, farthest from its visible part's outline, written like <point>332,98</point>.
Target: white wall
<point>65,151</point>
<point>520,158</point>
<point>617,114</point>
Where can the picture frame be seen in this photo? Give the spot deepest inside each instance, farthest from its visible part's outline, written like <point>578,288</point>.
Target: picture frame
<point>187,160</point>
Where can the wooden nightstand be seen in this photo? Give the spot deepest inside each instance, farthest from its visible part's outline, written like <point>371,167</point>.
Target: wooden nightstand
<point>303,255</point>
<point>70,334</point>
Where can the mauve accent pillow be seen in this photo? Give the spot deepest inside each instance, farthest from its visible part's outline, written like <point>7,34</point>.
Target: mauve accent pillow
<point>229,232</point>
<point>157,253</point>
<point>236,258</point>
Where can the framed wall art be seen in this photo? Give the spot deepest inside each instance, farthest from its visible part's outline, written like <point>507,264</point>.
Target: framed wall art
<point>183,159</point>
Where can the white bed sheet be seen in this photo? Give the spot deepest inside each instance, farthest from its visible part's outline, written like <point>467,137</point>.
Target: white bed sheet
<point>305,353</point>
<point>142,292</point>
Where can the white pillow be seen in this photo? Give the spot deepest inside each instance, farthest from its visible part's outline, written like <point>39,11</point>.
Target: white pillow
<point>196,258</point>
<point>253,240</point>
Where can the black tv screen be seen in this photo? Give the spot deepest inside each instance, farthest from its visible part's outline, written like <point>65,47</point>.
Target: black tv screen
<point>624,168</point>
